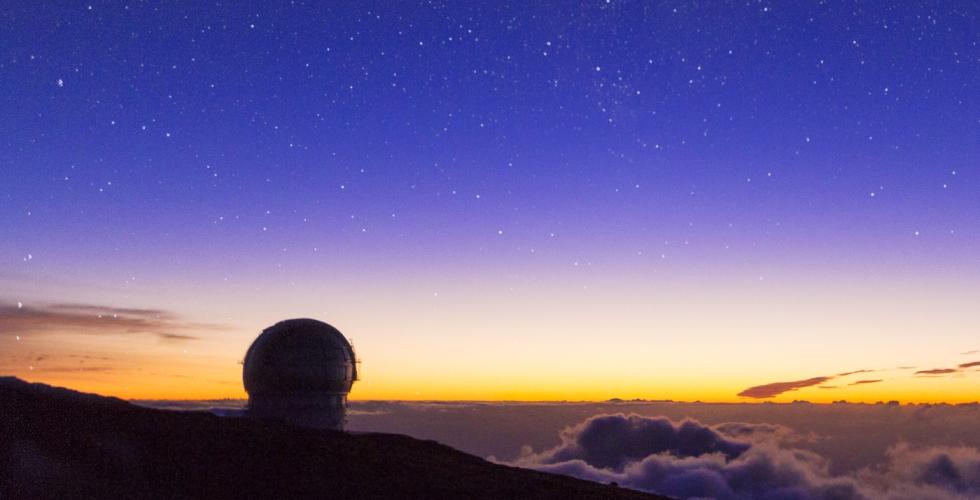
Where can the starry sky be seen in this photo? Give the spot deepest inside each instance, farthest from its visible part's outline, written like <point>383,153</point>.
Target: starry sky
<point>496,200</point>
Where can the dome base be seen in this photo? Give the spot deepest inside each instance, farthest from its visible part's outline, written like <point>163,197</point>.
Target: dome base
<point>315,411</point>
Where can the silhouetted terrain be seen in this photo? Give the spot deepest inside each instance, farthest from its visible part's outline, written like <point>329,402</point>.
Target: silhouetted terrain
<point>57,443</point>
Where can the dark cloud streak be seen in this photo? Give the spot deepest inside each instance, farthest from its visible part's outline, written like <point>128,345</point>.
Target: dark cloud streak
<point>118,311</point>
<point>774,389</point>
<point>71,369</point>
<point>870,381</point>
<point>937,371</point>
<point>777,388</point>
<point>96,320</point>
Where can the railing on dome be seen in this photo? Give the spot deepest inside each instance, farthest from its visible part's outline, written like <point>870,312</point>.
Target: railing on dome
<point>357,362</point>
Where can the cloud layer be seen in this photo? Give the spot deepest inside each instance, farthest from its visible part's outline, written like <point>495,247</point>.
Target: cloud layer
<point>741,461</point>
<point>609,441</point>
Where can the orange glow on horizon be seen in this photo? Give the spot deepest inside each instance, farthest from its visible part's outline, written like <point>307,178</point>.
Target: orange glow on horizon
<point>627,341</point>
<point>226,384</point>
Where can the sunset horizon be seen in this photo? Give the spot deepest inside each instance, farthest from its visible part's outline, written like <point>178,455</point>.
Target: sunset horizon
<point>179,375</point>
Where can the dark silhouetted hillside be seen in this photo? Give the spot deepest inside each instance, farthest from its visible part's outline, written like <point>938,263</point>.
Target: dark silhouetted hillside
<point>56,443</point>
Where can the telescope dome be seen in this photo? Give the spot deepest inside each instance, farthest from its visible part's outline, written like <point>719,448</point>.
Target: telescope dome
<point>300,371</point>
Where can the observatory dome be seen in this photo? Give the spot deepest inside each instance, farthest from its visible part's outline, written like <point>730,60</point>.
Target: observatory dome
<point>300,371</point>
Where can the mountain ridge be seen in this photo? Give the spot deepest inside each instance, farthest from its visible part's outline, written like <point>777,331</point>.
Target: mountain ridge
<point>59,443</point>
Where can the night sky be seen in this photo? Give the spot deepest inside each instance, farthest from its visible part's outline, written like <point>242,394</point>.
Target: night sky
<point>555,200</point>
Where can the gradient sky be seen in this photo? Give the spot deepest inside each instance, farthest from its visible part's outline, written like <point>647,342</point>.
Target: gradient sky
<point>501,201</point>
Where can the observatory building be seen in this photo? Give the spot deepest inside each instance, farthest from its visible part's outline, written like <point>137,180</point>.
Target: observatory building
<point>300,371</point>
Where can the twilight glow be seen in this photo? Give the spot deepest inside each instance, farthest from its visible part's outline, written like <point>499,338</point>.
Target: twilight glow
<point>520,202</point>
